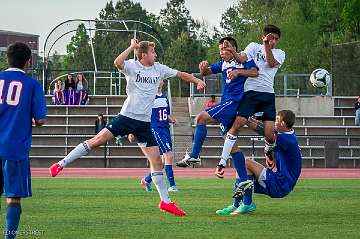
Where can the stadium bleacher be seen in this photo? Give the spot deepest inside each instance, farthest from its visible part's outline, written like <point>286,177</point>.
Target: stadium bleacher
<point>67,126</point>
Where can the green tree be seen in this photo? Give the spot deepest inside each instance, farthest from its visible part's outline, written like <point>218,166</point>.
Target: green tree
<point>175,19</point>
<point>79,56</point>
<point>184,54</point>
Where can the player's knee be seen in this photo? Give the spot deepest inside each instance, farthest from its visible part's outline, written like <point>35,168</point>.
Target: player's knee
<point>13,200</point>
<point>201,118</point>
<point>238,123</point>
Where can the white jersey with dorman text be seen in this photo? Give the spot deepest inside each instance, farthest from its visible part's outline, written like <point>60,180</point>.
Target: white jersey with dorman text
<point>142,86</point>
<point>265,81</point>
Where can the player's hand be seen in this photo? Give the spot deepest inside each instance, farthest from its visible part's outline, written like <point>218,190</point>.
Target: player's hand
<point>134,43</point>
<point>233,74</point>
<point>228,47</point>
<point>131,138</point>
<point>200,84</point>
<point>203,66</point>
<point>266,39</point>
<point>173,121</point>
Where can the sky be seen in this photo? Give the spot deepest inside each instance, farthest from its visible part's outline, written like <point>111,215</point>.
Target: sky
<point>41,16</point>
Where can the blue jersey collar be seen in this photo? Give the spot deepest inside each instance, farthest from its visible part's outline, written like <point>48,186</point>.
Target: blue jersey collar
<point>14,69</point>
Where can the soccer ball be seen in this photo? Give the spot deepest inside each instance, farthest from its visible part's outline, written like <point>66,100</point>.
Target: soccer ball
<point>320,78</point>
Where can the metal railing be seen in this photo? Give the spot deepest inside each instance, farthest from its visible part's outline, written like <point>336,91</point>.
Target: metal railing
<point>285,84</point>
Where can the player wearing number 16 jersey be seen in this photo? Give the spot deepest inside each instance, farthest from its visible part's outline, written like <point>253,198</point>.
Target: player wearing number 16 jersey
<point>160,127</point>
<point>21,101</point>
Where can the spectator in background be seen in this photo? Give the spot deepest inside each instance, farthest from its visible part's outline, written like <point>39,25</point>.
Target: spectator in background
<point>211,102</point>
<point>81,87</point>
<point>69,90</point>
<point>100,123</point>
<point>69,82</point>
<point>59,98</point>
<point>357,114</point>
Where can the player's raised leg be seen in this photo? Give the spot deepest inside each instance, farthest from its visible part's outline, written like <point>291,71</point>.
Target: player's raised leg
<point>153,155</point>
<point>81,150</point>
<point>200,133</point>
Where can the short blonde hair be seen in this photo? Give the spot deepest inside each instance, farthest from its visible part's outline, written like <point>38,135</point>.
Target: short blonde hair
<point>144,48</point>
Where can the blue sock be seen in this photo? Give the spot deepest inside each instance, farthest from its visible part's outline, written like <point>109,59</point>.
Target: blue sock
<point>170,174</point>
<point>199,138</point>
<point>237,200</point>
<point>148,178</point>
<point>248,193</point>
<point>239,164</point>
<point>13,212</point>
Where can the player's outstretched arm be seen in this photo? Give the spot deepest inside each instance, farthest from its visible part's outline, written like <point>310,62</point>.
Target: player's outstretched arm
<point>252,72</point>
<point>119,61</point>
<point>190,78</point>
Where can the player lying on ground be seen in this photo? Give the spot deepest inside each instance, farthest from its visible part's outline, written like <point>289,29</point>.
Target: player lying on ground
<point>160,127</point>
<point>234,76</point>
<point>259,93</point>
<point>143,78</point>
<point>276,182</point>
<point>22,101</point>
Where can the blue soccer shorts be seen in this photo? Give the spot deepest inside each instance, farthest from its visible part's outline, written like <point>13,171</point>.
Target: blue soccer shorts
<point>224,113</point>
<point>271,184</point>
<point>15,178</point>
<point>163,138</point>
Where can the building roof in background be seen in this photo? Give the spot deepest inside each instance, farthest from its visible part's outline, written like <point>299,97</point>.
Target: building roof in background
<point>17,33</point>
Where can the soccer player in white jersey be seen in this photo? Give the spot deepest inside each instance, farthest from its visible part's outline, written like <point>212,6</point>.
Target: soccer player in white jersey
<point>259,91</point>
<point>143,78</point>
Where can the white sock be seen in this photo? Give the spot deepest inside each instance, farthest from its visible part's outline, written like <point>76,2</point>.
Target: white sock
<point>222,162</point>
<point>160,183</point>
<point>228,144</point>
<point>81,150</point>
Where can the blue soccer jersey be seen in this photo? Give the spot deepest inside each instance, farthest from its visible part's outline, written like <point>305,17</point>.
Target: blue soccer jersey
<point>21,99</point>
<point>233,89</point>
<point>288,159</point>
<point>160,112</point>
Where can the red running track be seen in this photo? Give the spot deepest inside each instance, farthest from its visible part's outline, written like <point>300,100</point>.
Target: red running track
<point>186,173</point>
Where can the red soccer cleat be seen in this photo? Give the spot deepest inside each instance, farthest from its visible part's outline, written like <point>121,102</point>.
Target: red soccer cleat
<point>171,208</point>
<point>55,169</point>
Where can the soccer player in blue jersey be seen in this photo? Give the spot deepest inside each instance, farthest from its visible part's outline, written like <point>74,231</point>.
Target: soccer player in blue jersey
<point>276,182</point>
<point>22,102</point>
<point>160,126</point>
<point>234,76</point>
<point>143,78</point>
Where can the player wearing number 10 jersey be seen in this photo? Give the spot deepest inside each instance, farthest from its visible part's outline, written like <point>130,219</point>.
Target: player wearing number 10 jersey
<point>21,100</point>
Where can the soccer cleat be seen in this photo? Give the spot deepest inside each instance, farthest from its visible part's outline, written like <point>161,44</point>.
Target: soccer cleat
<point>219,171</point>
<point>55,169</point>
<point>173,189</point>
<point>146,185</point>
<point>226,211</point>
<point>187,161</point>
<point>243,209</point>
<point>241,187</point>
<point>171,207</point>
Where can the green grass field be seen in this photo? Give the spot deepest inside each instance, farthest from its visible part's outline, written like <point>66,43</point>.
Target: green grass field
<point>119,208</point>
